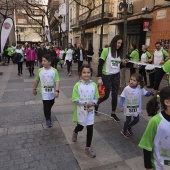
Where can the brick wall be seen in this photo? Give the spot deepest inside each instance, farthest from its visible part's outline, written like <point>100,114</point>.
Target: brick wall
<point>160,27</point>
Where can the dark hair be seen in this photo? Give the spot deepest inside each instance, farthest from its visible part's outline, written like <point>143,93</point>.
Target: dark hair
<point>47,57</point>
<point>134,46</point>
<point>153,105</point>
<point>113,46</point>
<point>139,79</point>
<point>158,43</point>
<point>85,66</point>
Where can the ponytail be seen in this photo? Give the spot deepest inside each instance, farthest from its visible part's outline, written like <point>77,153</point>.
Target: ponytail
<point>152,106</point>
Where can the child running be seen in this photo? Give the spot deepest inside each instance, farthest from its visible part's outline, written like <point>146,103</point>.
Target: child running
<point>49,86</point>
<point>85,96</point>
<point>131,102</point>
<point>155,141</point>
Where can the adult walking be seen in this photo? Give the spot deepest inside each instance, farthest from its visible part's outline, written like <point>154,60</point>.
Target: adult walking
<point>69,58</point>
<point>134,56</point>
<point>146,57</point>
<point>41,52</point>
<point>89,53</point>
<point>109,72</point>
<point>20,54</point>
<point>159,58</point>
<point>30,59</point>
<point>53,55</point>
<point>80,55</point>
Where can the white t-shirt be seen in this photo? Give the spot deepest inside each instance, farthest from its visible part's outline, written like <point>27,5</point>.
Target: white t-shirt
<point>84,93</point>
<point>47,79</point>
<point>111,65</point>
<point>158,56</point>
<point>81,55</point>
<point>156,139</point>
<point>69,55</point>
<point>143,57</point>
<point>21,52</point>
<point>133,100</point>
<point>61,54</point>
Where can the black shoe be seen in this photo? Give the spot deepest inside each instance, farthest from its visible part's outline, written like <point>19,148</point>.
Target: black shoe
<point>115,118</point>
<point>30,75</point>
<point>149,87</point>
<point>33,74</point>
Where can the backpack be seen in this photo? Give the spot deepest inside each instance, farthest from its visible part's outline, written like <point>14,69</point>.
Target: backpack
<point>17,57</point>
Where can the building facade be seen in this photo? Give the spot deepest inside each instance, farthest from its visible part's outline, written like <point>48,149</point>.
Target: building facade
<point>29,21</point>
<point>147,22</point>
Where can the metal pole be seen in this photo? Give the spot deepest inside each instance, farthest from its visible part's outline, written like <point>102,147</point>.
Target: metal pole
<point>101,32</point>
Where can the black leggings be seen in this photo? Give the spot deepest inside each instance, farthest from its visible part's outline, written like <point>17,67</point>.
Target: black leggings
<point>69,64</point>
<point>47,105</point>
<point>111,82</point>
<point>158,78</point>
<point>80,63</point>
<point>20,67</point>
<point>129,123</point>
<point>142,71</point>
<point>30,65</point>
<point>79,128</point>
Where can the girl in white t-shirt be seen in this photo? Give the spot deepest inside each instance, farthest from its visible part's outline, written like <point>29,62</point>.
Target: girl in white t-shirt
<point>131,102</point>
<point>85,96</point>
<point>155,141</point>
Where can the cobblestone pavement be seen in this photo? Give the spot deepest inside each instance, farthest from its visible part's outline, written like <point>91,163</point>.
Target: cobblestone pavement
<point>26,143</point>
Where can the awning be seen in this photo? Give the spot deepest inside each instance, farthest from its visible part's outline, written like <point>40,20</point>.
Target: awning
<point>138,17</point>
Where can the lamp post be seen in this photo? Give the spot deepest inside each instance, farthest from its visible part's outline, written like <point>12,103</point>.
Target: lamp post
<point>60,31</point>
<point>101,32</point>
<point>17,31</point>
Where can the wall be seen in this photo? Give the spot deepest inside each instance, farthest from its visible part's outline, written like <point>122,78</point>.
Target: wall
<point>160,26</point>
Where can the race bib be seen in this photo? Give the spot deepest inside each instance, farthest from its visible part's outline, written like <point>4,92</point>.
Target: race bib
<point>132,109</point>
<point>115,64</point>
<point>48,89</point>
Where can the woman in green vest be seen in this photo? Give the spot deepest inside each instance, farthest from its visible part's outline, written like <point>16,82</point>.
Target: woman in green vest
<point>134,56</point>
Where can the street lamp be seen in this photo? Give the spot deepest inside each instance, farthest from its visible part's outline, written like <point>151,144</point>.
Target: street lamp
<point>101,32</point>
<point>17,31</point>
<point>60,31</point>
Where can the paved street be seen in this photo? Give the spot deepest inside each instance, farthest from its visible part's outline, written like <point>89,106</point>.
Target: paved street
<point>26,143</point>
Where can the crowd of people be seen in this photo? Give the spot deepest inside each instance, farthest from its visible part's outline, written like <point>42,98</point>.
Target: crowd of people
<point>155,141</point>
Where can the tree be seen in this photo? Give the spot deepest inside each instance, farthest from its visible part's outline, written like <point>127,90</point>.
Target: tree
<point>42,11</point>
<point>6,8</point>
<point>90,5</point>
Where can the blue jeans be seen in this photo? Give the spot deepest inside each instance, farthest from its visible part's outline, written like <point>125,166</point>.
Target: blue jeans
<point>128,123</point>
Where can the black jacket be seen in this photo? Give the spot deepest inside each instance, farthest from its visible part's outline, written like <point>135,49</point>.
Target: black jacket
<point>41,52</point>
<point>77,53</point>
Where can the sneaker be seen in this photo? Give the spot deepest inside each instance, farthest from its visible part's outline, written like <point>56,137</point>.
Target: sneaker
<point>74,137</point>
<point>90,152</point>
<point>48,123</point>
<point>129,131</point>
<point>115,118</point>
<point>126,135</point>
<point>69,74</point>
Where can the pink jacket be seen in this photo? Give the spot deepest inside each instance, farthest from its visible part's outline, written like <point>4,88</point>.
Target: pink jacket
<point>57,52</point>
<point>31,54</point>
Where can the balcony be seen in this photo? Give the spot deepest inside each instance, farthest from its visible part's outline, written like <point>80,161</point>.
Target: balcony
<point>74,23</point>
<point>96,14</point>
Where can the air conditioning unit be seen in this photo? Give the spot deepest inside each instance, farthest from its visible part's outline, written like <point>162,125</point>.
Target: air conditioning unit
<point>128,5</point>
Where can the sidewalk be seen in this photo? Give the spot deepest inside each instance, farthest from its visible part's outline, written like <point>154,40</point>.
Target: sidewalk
<point>26,143</point>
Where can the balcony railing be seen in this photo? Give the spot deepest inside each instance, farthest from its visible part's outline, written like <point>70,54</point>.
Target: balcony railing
<point>96,14</point>
<point>74,22</point>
